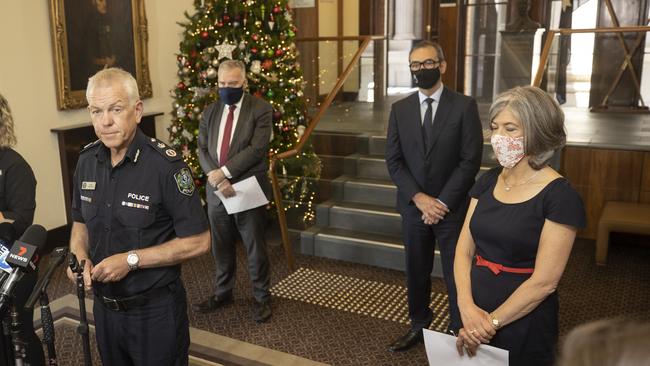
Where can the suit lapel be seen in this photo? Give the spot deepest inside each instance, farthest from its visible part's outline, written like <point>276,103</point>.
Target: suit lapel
<point>213,141</point>
<point>444,106</point>
<point>415,121</point>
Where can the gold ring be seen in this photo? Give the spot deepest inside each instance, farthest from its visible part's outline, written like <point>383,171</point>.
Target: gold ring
<point>472,331</point>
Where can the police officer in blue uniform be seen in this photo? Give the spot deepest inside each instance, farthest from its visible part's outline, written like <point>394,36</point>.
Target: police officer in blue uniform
<point>136,216</point>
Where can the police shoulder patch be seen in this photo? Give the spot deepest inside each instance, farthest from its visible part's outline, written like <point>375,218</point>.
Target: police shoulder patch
<point>184,181</point>
<point>164,150</point>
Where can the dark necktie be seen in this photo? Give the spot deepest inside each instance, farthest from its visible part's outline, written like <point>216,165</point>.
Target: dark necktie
<point>225,140</point>
<point>427,125</point>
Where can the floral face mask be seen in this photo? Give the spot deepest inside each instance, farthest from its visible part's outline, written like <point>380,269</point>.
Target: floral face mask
<point>509,150</point>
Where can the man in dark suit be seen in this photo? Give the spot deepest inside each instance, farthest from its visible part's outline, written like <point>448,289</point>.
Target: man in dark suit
<point>233,144</point>
<point>433,152</point>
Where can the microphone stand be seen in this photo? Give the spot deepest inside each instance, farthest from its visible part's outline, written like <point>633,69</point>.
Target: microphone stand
<point>6,333</point>
<point>82,329</point>
<point>48,328</point>
<point>18,344</point>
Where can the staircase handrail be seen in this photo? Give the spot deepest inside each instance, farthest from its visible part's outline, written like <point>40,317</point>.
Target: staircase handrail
<point>567,31</point>
<point>277,196</point>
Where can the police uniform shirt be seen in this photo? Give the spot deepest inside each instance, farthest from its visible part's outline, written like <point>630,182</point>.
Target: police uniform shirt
<point>17,190</point>
<point>145,200</point>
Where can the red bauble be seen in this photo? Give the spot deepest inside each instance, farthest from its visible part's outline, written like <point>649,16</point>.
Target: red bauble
<point>253,50</point>
<point>267,64</point>
<point>205,34</point>
<point>193,54</point>
<point>181,85</point>
<point>278,52</point>
<point>277,9</point>
<point>255,37</point>
<point>257,94</point>
<point>226,18</point>
<point>220,24</point>
<point>277,115</point>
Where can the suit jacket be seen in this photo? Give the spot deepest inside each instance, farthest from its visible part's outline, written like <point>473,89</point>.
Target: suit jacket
<point>249,147</point>
<point>448,168</point>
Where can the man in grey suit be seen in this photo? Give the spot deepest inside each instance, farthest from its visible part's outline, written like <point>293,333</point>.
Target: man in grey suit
<point>433,152</point>
<point>233,141</point>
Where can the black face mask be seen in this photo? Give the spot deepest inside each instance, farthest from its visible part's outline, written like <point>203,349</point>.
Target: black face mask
<point>230,95</point>
<point>426,78</point>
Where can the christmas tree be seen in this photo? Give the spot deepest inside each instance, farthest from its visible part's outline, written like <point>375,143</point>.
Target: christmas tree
<point>261,34</point>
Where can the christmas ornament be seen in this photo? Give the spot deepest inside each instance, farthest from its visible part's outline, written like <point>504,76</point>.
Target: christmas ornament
<point>267,64</point>
<point>256,67</point>
<point>211,73</point>
<point>301,130</point>
<point>225,50</point>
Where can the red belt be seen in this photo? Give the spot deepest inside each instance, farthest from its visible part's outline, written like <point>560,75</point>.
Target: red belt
<point>497,268</point>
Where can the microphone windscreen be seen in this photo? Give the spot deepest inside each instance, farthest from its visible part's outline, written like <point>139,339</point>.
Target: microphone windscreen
<point>35,235</point>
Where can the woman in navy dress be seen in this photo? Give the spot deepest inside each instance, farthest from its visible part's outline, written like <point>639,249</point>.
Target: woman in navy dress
<point>518,234</point>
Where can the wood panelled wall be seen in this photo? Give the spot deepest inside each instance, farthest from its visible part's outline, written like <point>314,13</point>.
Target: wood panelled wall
<point>602,175</point>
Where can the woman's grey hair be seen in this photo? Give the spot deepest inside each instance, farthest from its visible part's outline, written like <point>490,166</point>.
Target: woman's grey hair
<point>232,64</point>
<point>542,120</point>
<point>115,75</point>
<point>7,135</point>
<point>608,342</point>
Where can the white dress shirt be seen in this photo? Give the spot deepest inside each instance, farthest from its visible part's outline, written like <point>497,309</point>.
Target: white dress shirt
<point>434,106</point>
<point>222,126</point>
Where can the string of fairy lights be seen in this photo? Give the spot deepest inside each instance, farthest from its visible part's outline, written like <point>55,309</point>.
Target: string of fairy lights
<point>261,34</point>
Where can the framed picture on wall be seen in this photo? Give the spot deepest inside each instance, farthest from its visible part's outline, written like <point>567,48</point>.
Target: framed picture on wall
<point>89,35</point>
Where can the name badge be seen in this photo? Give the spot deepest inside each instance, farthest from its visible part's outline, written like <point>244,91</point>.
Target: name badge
<point>89,186</point>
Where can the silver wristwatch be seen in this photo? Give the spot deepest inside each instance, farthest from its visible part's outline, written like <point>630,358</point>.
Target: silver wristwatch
<point>133,260</point>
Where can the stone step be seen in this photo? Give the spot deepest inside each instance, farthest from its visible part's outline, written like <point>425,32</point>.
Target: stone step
<point>358,247</point>
<point>366,166</point>
<point>359,217</point>
<point>367,191</point>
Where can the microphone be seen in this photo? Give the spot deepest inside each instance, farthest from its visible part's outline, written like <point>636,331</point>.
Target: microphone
<point>7,236</point>
<point>57,257</point>
<point>23,257</point>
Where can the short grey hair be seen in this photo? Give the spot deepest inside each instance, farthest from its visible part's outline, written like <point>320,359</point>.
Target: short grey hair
<point>232,64</point>
<point>541,118</point>
<point>429,44</point>
<point>115,75</point>
<point>7,135</point>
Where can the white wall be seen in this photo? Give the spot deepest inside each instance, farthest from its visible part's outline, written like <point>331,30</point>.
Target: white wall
<point>27,81</point>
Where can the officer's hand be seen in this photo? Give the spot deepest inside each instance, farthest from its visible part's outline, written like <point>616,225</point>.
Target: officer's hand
<point>226,189</point>
<point>88,283</point>
<point>215,177</point>
<point>111,269</point>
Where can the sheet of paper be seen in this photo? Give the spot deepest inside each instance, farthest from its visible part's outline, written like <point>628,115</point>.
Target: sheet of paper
<point>441,350</point>
<point>248,194</point>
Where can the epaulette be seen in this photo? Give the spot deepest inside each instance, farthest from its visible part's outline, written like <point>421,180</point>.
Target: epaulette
<point>90,145</point>
<point>165,150</point>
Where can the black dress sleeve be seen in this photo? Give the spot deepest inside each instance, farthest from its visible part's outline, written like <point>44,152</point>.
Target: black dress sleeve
<point>484,182</point>
<point>20,190</point>
<point>564,205</point>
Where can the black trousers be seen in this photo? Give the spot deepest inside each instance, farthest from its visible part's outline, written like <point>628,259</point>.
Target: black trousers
<point>157,333</point>
<point>250,225</point>
<point>419,241</point>
<point>34,347</point>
